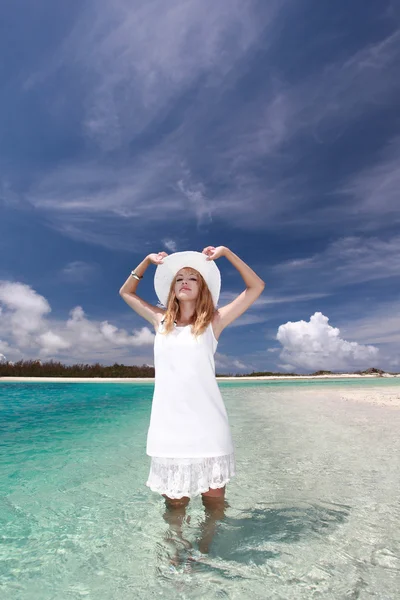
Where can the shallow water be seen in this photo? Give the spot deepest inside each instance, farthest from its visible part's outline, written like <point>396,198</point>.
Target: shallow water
<point>313,511</point>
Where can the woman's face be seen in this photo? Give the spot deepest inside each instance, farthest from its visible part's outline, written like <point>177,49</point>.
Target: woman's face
<point>186,284</point>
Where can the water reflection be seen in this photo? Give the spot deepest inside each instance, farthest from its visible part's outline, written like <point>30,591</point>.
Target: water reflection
<point>239,535</point>
<point>175,516</point>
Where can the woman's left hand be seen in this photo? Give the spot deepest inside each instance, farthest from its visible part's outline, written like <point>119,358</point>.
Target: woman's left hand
<point>213,253</point>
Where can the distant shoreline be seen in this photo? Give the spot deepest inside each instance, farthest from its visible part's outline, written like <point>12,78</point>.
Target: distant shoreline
<point>151,379</point>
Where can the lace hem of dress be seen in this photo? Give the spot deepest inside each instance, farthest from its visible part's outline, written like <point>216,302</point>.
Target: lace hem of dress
<point>177,477</point>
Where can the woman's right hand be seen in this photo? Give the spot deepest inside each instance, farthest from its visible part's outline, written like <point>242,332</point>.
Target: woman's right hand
<point>157,259</point>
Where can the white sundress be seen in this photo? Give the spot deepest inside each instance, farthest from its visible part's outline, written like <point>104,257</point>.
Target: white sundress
<point>189,437</point>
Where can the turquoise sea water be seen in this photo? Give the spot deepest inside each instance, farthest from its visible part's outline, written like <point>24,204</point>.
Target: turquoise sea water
<point>313,511</point>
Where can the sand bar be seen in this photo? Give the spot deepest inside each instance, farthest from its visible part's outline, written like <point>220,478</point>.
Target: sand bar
<point>381,396</point>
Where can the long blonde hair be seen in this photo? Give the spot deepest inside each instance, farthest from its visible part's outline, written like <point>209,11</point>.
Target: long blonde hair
<point>203,312</point>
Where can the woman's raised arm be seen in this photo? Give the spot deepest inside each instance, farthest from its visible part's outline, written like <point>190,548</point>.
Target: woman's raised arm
<point>128,290</point>
<point>254,287</point>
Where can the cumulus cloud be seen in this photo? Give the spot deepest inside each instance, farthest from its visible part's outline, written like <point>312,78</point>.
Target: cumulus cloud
<point>89,334</point>
<point>51,343</point>
<point>26,330</point>
<point>24,311</point>
<point>316,345</point>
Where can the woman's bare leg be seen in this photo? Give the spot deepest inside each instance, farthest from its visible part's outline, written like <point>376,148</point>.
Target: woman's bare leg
<point>174,515</point>
<point>215,505</point>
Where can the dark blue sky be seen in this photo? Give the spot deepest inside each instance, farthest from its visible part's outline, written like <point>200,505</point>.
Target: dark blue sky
<point>269,127</point>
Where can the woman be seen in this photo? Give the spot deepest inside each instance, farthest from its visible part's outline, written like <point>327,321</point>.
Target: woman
<point>189,438</point>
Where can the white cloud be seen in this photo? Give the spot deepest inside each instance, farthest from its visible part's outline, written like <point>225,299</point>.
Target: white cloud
<point>170,245</point>
<point>316,345</point>
<point>257,314</point>
<point>115,206</point>
<point>380,326</point>
<point>94,335</point>
<point>52,343</point>
<point>248,319</point>
<point>138,58</point>
<point>321,106</point>
<point>76,339</point>
<point>229,364</point>
<point>138,63</point>
<point>349,260</point>
<point>195,193</point>
<point>99,189</point>
<point>284,299</point>
<point>376,189</point>
<point>78,271</point>
<point>265,299</point>
<point>325,103</point>
<point>28,331</point>
<point>23,312</point>
<point>154,52</point>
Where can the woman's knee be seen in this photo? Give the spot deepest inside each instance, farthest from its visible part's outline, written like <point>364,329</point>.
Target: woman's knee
<point>176,502</point>
<point>214,493</point>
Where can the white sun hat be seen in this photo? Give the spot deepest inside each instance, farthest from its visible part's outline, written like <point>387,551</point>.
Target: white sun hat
<point>166,271</point>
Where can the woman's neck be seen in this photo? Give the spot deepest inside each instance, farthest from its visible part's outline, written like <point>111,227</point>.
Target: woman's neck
<point>182,321</point>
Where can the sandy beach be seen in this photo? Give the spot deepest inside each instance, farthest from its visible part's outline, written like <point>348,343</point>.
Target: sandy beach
<point>151,379</point>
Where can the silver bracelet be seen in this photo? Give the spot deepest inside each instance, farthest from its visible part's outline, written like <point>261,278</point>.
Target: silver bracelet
<point>136,276</point>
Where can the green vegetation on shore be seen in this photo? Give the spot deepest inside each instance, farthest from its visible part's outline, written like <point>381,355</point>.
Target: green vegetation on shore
<point>35,368</point>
